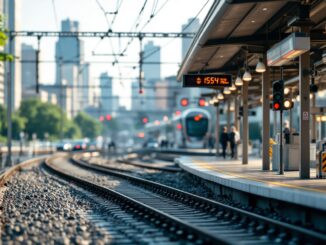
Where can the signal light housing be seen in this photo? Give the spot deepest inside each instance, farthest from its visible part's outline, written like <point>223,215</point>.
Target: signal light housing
<point>202,102</point>
<point>278,95</point>
<point>184,102</point>
<point>108,117</point>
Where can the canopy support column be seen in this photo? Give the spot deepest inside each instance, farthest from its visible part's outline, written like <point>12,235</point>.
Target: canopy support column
<point>266,110</point>
<point>245,128</point>
<point>217,131</point>
<point>304,88</point>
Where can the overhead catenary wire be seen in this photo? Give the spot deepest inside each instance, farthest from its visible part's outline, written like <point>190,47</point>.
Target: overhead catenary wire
<point>155,50</point>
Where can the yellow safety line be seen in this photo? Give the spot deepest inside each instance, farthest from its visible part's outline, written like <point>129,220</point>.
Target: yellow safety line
<point>254,179</point>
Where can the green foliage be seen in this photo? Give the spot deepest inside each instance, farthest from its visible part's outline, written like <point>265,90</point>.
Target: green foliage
<point>72,131</point>
<point>3,41</point>
<point>18,123</point>
<point>3,120</point>
<point>89,127</point>
<point>46,118</point>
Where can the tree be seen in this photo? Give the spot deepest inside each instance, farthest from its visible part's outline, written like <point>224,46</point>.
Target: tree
<point>46,118</point>
<point>72,131</point>
<point>3,41</point>
<point>18,123</point>
<point>89,127</point>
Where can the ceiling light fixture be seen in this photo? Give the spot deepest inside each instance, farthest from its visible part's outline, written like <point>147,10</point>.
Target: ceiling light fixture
<point>226,91</point>
<point>260,67</point>
<point>247,76</point>
<point>220,96</point>
<point>238,81</point>
<point>233,88</point>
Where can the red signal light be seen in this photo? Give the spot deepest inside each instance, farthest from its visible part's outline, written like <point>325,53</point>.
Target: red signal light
<point>276,106</point>
<point>179,126</point>
<point>178,113</point>
<point>108,117</point>
<point>145,120</point>
<point>184,102</point>
<point>141,135</point>
<point>101,118</point>
<point>202,102</point>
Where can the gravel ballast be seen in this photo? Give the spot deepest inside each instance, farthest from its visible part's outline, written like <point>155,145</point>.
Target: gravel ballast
<point>37,209</point>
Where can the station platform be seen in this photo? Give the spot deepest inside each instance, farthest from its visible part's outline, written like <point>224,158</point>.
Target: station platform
<point>251,179</point>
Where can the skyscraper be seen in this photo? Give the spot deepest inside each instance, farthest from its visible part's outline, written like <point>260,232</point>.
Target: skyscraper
<point>192,25</point>
<point>69,60</point>
<point>12,10</point>
<point>152,59</point>
<point>85,89</point>
<point>28,68</point>
<point>106,93</point>
<point>138,100</point>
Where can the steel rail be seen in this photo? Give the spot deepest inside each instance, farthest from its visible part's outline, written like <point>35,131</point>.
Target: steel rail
<point>263,223</point>
<point>182,228</point>
<point>142,165</point>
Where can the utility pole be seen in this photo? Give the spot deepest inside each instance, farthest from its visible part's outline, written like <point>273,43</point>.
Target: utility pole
<point>9,104</point>
<point>61,99</point>
<point>140,65</point>
<point>37,75</point>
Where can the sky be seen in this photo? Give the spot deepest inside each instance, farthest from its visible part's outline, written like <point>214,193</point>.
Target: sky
<point>169,16</point>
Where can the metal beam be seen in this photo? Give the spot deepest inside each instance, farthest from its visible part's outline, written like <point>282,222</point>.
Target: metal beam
<point>261,39</point>
<point>255,1</point>
<point>101,34</point>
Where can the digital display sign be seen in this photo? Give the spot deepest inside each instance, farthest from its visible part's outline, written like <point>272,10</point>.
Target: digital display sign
<point>209,81</point>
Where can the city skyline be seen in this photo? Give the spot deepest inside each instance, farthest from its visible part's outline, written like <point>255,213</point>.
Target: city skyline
<point>95,48</point>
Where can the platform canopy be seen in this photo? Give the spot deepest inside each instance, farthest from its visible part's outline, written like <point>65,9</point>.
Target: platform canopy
<point>236,33</point>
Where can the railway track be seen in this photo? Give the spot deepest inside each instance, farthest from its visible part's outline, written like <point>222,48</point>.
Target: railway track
<point>134,162</point>
<point>201,219</point>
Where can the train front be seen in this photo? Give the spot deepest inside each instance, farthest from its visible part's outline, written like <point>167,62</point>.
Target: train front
<point>196,128</point>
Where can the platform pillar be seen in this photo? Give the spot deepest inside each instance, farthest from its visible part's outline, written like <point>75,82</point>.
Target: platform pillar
<point>266,108</point>
<point>236,112</point>
<point>217,131</point>
<point>304,88</point>
<point>228,114</point>
<point>313,120</point>
<point>291,119</point>
<point>245,126</point>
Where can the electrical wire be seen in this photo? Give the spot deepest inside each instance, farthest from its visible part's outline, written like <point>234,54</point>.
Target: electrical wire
<point>56,20</point>
<point>169,42</point>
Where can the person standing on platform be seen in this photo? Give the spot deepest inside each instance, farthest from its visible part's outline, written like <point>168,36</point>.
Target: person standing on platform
<point>224,140</point>
<point>234,138</point>
<point>286,132</point>
<point>232,141</point>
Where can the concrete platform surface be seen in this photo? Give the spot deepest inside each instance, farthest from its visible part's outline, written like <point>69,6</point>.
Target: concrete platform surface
<point>250,178</point>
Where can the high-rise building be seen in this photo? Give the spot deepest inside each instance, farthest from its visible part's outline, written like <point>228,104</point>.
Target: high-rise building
<point>12,10</point>
<point>69,55</point>
<point>137,99</point>
<point>106,93</point>
<point>28,67</point>
<point>192,25</point>
<point>86,91</point>
<point>152,59</point>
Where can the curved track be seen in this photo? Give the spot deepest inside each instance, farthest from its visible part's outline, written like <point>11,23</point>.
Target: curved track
<point>207,219</point>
